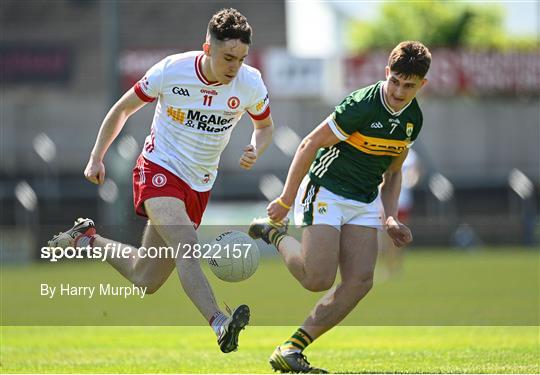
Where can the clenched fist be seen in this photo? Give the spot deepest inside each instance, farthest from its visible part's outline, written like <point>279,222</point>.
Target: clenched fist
<point>249,157</point>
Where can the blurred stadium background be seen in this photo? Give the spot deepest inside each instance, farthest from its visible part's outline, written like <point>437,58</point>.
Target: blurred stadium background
<point>64,62</point>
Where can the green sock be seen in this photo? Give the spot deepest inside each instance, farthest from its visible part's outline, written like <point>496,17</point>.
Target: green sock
<point>297,342</point>
<point>276,237</point>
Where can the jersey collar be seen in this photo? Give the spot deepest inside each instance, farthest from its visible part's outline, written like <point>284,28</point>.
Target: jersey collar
<point>200,74</point>
<point>387,107</point>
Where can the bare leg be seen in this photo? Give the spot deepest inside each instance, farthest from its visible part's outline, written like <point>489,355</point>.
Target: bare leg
<point>143,272</point>
<point>358,255</point>
<point>170,226</point>
<point>314,261</point>
<point>171,221</point>
<point>355,248</point>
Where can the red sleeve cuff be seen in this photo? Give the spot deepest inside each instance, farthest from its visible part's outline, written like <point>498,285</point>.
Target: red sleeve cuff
<point>262,116</point>
<point>140,93</point>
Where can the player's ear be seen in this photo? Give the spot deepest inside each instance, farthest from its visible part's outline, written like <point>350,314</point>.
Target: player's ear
<point>387,71</point>
<point>423,83</point>
<point>206,48</point>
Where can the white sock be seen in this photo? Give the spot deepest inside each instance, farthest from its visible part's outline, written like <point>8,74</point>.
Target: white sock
<point>217,320</point>
<point>85,240</point>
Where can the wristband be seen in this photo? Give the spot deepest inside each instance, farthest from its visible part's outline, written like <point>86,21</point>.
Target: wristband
<point>282,204</point>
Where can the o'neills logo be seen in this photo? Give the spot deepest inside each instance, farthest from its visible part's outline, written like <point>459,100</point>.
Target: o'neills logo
<point>209,92</point>
<point>233,102</point>
<point>159,180</point>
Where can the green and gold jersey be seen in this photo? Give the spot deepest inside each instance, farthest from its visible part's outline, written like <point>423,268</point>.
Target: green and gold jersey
<point>371,135</point>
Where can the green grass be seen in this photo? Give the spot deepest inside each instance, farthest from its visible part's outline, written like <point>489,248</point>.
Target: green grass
<point>485,306</point>
<point>193,350</point>
<point>496,288</point>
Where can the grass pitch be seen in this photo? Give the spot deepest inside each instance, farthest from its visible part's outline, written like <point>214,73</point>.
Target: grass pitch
<point>448,312</point>
<point>193,350</point>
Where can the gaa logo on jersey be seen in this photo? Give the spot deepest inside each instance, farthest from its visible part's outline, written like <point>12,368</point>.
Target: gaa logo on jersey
<point>180,91</point>
<point>233,102</point>
<point>322,207</point>
<point>159,180</point>
<point>206,178</point>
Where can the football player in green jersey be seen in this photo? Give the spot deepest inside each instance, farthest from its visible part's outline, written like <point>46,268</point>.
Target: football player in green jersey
<point>333,183</point>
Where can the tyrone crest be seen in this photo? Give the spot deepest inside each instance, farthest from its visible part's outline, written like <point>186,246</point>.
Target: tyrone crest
<point>159,180</point>
<point>233,102</point>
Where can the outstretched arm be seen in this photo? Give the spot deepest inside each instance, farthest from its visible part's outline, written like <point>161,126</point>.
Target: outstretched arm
<point>322,136</point>
<point>110,128</point>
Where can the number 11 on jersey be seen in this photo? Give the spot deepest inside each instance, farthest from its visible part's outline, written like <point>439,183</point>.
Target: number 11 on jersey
<point>207,100</point>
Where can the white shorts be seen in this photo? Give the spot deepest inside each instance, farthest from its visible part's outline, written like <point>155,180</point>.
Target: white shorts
<point>315,204</point>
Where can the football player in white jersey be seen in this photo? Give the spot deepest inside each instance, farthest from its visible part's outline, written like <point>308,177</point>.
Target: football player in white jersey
<point>201,96</point>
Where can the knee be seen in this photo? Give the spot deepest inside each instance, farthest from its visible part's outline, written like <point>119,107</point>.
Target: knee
<point>359,287</point>
<point>366,285</point>
<point>151,286</point>
<point>317,284</point>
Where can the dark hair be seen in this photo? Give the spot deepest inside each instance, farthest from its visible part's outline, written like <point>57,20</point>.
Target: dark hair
<point>410,58</point>
<point>229,24</point>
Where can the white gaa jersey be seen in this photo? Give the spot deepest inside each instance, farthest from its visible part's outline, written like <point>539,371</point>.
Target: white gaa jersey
<point>194,118</point>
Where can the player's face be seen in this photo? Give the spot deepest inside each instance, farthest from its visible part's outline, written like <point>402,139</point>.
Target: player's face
<point>226,58</point>
<point>401,91</point>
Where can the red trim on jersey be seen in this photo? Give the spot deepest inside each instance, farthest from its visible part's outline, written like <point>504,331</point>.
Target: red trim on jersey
<point>149,146</point>
<point>140,93</point>
<point>262,116</point>
<point>200,74</point>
